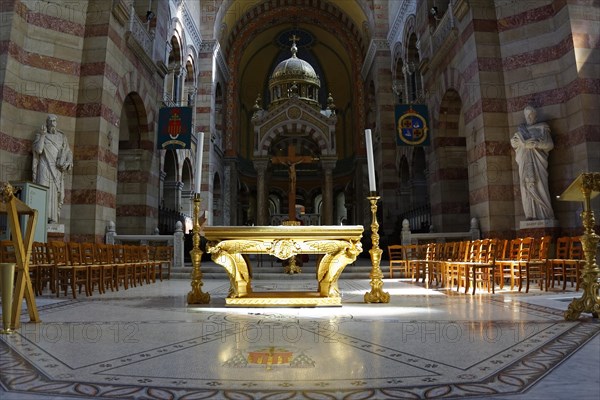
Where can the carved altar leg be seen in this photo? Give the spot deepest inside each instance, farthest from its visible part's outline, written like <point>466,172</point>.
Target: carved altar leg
<point>331,266</point>
<point>236,267</point>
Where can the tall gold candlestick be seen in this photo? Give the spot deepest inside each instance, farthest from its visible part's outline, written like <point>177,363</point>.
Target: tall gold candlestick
<point>196,296</point>
<point>376,295</point>
<point>589,302</point>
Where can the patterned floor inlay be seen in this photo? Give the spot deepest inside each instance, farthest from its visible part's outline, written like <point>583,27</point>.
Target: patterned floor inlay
<point>146,343</point>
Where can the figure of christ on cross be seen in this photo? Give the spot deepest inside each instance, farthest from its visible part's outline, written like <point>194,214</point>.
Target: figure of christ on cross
<point>291,160</point>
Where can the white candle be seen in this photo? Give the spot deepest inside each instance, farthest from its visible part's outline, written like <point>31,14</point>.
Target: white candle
<point>370,162</point>
<point>199,151</point>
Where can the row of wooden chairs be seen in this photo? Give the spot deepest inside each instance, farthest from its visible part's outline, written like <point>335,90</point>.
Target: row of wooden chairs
<point>486,263</point>
<point>87,266</point>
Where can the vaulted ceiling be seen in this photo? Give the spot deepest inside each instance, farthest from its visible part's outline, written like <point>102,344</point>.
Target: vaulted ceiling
<point>254,36</point>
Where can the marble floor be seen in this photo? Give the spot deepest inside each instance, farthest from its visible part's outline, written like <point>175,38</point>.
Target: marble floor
<point>147,343</point>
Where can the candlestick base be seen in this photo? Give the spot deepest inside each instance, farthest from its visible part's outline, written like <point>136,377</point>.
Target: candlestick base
<point>376,295</point>
<point>196,296</point>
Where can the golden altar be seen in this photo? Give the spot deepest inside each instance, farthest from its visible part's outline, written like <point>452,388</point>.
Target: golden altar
<point>334,246</point>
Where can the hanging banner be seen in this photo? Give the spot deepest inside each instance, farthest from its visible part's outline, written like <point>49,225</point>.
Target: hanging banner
<point>412,125</point>
<point>174,128</point>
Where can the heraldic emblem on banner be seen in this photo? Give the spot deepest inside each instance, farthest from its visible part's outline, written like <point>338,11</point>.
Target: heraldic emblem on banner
<point>412,125</point>
<point>174,128</point>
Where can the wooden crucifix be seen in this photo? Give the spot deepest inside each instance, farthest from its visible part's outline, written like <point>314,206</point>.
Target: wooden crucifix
<point>291,160</point>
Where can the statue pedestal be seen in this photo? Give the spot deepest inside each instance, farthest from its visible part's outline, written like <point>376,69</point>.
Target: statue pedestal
<point>56,232</point>
<point>538,228</point>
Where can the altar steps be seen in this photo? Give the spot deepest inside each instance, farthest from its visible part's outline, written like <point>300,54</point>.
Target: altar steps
<point>267,271</point>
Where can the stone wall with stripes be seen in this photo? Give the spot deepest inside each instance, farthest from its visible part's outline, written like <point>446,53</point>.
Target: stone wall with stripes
<point>72,59</point>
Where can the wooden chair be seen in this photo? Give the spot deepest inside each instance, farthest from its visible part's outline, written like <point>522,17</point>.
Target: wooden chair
<point>71,272</point>
<point>105,259</point>
<point>426,267</point>
<point>452,266</point>
<point>96,269</point>
<point>8,254</point>
<point>572,265</point>
<point>412,256</point>
<point>526,248</point>
<point>136,267</point>
<point>506,267</point>
<point>535,267</point>
<point>46,270</point>
<point>397,258</point>
<point>556,266</point>
<point>482,270</point>
<point>449,252</point>
<point>434,264</point>
<point>123,271</point>
<point>151,265</point>
<point>464,270</point>
<point>164,254</point>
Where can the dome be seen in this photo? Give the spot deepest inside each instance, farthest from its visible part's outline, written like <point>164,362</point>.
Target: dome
<point>294,78</point>
<point>294,69</point>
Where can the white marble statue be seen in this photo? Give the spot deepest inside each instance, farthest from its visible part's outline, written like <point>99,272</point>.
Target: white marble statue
<point>532,143</point>
<point>52,157</point>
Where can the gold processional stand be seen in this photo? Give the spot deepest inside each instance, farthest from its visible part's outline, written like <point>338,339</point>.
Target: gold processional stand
<point>376,295</point>
<point>196,296</point>
<point>11,313</point>
<point>584,188</point>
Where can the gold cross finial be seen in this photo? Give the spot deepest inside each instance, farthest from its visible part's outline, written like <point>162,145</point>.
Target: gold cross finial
<point>294,38</point>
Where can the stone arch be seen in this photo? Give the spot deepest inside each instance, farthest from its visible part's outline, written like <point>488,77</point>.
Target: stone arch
<point>409,29</point>
<point>217,199</point>
<point>304,128</point>
<point>132,82</point>
<point>328,16</point>
<point>451,79</point>
<point>134,166</point>
<point>186,177</point>
<point>403,197</point>
<point>449,168</point>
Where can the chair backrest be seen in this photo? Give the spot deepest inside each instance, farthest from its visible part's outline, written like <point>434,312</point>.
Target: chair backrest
<point>74,250</point>
<point>474,248</point>
<point>502,249</point>
<point>59,253</point>
<point>396,252</point>
<point>513,249</point>
<point>492,250</point>
<point>118,253</point>
<point>130,253</point>
<point>7,252</point>
<point>39,253</point>
<point>526,249</point>
<point>452,251</point>
<point>562,247</point>
<point>486,250</point>
<point>464,251</point>
<point>411,251</point>
<point>575,249</point>
<point>89,255</point>
<point>164,253</point>
<point>544,247</point>
<point>430,252</point>
<point>541,247</point>
<point>144,252</point>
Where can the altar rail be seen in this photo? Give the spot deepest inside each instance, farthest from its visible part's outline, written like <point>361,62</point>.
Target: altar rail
<point>176,240</point>
<point>407,237</point>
